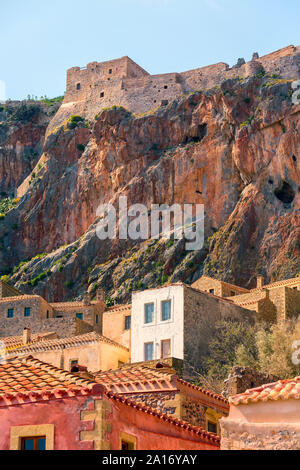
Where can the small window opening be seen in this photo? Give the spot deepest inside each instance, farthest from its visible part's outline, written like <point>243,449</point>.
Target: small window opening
<point>212,427</point>
<point>33,443</point>
<point>127,445</point>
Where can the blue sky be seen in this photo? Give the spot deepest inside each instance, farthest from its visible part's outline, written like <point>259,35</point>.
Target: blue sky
<point>40,39</point>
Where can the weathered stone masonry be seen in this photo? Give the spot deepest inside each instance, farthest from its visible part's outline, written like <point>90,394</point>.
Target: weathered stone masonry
<point>122,82</point>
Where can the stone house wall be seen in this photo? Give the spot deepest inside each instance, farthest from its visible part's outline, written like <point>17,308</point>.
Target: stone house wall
<point>64,327</point>
<point>201,313</point>
<point>221,289</point>
<point>268,425</point>
<point>46,317</point>
<point>187,403</point>
<point>241,379</point>
<point>18,304</point>
<point>163,401</point>
<point>183,405</point>
<point>273,304</point>
<point>240,436</point>
<point>277,296</point>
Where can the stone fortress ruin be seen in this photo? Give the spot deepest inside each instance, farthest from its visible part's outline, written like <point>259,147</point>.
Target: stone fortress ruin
<point>122,82</point>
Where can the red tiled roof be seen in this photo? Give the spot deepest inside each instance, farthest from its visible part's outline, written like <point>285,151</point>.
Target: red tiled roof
<point>283,283</point>
<point>207,393</point>
<point>213,439</point>
<point>281,390</point>
<point>19,298</point>
<point>68,305</point>
<point>137,379</point>
<point>117,308</point>
<point>17,341</point>
<point>29,379</point>
<point>69,342</point>
<point>143,379</point>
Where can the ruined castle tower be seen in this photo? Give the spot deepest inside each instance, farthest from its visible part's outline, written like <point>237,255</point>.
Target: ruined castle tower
<point>122,82</point>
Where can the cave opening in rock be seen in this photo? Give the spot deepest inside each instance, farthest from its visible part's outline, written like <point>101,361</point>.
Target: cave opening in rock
<point>285,193</point>
<point>200,134</point>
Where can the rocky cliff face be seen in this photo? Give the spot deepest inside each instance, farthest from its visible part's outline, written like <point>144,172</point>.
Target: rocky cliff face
<point>234,148</point>
<point>22,131</point>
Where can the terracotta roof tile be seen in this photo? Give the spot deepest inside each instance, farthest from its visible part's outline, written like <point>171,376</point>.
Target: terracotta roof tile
<point>56,382</point>
<point>118,308</point>
<point>59,343</point>
<point>137,379</point>
<point>207,393</point>
<point>143,379</point>
<point>68,305</point>
<point>285,283</point>
<point>30,375</point>
<point>19,298</point>
<point>206,436</point>
<point>12,342</point>
<point>281,390</point>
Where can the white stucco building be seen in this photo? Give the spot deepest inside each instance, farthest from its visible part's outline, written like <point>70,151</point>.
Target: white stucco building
<point>157,323</point>
<point>177,321</point>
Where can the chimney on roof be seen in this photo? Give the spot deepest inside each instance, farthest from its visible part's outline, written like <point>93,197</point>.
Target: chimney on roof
<point>26,336</point>
<point>260,282</point>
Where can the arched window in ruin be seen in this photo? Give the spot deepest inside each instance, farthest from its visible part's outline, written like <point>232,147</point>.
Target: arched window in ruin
<point>78,86</point>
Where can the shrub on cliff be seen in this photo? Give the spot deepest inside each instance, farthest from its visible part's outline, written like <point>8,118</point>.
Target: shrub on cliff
<point>6,205</point>
<point>24,113</point>
<point>74,120</point>
<point>51,101</point>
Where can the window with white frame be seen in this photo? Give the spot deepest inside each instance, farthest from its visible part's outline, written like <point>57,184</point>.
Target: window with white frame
<point>166,310</point>
<point>149,313</point>
<point>149,351</point>
<point>165,348</point>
